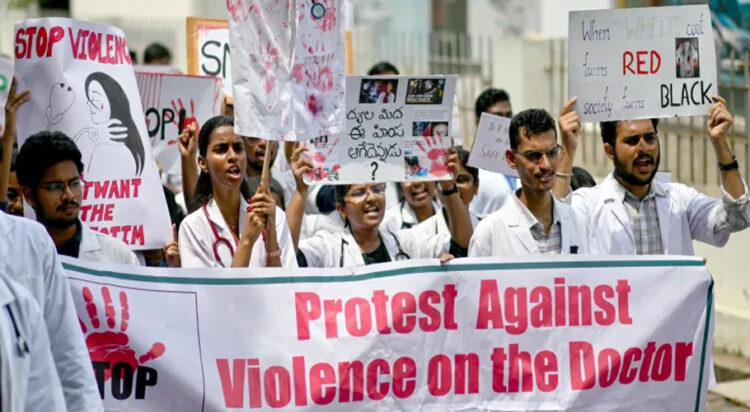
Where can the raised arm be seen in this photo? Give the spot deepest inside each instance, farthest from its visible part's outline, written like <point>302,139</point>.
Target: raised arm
<point>188,142</point>
<point>296,208</point>
<point>459,221</point>
<point>9,135</point>
<point>570,130</point>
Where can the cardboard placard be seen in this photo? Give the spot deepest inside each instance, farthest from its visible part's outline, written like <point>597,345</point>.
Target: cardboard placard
<point>208,50</point>
<point>490,144</point>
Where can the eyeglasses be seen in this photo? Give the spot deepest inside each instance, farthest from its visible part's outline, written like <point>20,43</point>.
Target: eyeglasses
<point>464,179</point>
<point>58,188</point>
<point>535,156</point>
<point>361,192</point>
<point>648,138</point>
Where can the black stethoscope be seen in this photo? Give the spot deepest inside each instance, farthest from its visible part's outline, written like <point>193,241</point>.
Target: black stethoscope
<point>318,10</point>
<point>400,255</point>
<point>218,240</point>
<point>21,345</point>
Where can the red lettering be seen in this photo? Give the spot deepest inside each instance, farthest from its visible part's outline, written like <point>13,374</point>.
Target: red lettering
<point>322,383</point>
<point>560,302</point>
<point>95,40</point>
<point>605,316</point>
<point>332,308</point>
<point>623,289</point>
<point>582,367</point>
<point>300,386</point>
<point>641,61</point>
<point>609,366</point>
<point>449,295</point>
<point>579,309</point>
<point>404,377</point>
<point>136,181</point>
<point>56,34</point>
<point>628,374</point>
<point>20,46</point>
<point>515,310</point>
<point>520,370</point>
<point>655,56</point>
<point>379,299</point>
<point>75,42</point>
<point>232,383</point>
<point>376,368</point>
<point>431,321</point>
<point>351,380</point>
<point>253,382</point>
<point>627,60</point>
<point>357,325</point>
<point>276,387</point>
<point>404,309</point>
<point>307,306</point>
<point>138,238</point>
<point>662,368</point>
<point>541,313</point>
<point>646,62</point>
<point>545,363</point>
<point>467,373</point>
<point>498,370</point>
<point>682,351</point>
<point>41,41</point>
<point>489,306</point>
<point>647,355</point>
<point>439,375</point>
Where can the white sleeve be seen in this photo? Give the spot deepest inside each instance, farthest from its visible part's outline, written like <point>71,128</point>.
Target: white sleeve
<point>315,249</point>
<point>44,391</point>
<point>71,357</point>
<point>194,251</point>
<point>480,244</point>
<point>417,246</point>
<point>284,237</point>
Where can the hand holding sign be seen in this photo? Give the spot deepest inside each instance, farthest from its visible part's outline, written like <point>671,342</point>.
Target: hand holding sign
<point>452,166</point>
<point>719,120</point>
<point>301,165</point>
<point>570,126</point>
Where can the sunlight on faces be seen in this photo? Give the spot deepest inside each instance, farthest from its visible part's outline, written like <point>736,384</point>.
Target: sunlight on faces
<point>418,194</point>
<point>535,175</point>
<point>98,103</point>
<point>225,158</point>
<point>364,206</point>
<point>636,154</point>
<point>57,199</point>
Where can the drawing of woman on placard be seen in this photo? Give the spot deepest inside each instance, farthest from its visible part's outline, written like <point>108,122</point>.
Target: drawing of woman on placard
<point>113,123</point>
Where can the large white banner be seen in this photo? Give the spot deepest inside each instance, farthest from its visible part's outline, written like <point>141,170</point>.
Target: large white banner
<point>288,68</point>
<point>641,62</point>
<point>82,83</point>
<point>171,102</point>
<point>398,128</point>
<point>573,333</point>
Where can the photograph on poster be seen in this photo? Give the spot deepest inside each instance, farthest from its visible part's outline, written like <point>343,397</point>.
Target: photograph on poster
<point>425,129</point>
<point>413,168</point>
<point>425,91</point>
<point>686,57</point>
<point>378,91</point>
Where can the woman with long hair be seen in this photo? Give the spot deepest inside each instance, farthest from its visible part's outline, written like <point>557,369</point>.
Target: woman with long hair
<point>225,229</point>
<point>109,106</point>
<point>365,240</point>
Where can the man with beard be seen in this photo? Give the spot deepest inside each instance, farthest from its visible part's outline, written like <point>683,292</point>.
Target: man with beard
<point>633,213</point>
<point>531,221</point>
<point>49,170</point>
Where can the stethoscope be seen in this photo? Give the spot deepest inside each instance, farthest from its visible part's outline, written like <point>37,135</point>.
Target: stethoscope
<point>218,240</point>
<point>400,255</point>
<point>318,10</point>
<point>21,345</point>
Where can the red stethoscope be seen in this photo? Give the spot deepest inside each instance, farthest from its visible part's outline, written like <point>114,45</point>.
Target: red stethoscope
<point>218,240</point>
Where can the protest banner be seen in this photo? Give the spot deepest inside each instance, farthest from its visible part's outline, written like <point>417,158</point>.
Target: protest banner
<point>6,77</point>
<point>641,62</point>
<point>171,102</point>
<point>584,333</point>
<point>208,50</point>
<point>82,84</point>
<point>288,68</point>
<point>490,144</point>
<point>397,129</point>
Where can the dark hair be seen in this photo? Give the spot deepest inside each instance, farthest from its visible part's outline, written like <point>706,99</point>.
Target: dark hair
<point>204,190</point>
<point>463,157</point>
<point>41,151</point>
<point>609,130</point>
<point>119,106</point>
<point>382,67</point>
<point>533,122</point>
<point>155,51</point>
<point>411,160</point>
<point>275,186</point>
<point>488,98</point>
<point>341,191</point>
<point>581,178</point>
<point>133,57</point>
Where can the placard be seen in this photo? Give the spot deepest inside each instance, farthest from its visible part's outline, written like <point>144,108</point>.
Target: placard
<point>490,144</point>
<point>208,50</point>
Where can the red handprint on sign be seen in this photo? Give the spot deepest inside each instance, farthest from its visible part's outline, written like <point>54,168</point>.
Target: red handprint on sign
<point>318,157</point>
<point>112,345</point>
<point>182,115</point>
<point>433,147</point>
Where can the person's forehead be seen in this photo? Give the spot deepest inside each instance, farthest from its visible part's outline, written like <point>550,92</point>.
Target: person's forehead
<point>540,141</point>
<point>225,134</point>
<point>635,127</point>
<point>61,171</point>
<point>13,180</point>
<point>502,106</point>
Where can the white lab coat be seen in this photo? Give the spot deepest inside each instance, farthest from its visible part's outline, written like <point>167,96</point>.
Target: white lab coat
<point>196,239</point>
<point>493,190</point>
<point>98,247</point>
<point>28,256</point>
<point>330,222</point>
<point>326,249</point>
<point>684,215</point>
<point>28,379</point>
<point>437,224</point>
<point>396,216</point>
<point>506,233</point>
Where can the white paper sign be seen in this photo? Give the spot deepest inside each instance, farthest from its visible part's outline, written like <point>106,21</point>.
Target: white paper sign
<point>490,144</point>
<point>288,67</point>
<point>398,129</point>
<point>6,77</point>
<point>82,83</point>
<point>171,102</point>
<point>641,62</point>
<point>544,334</point>
<point>208,50</point>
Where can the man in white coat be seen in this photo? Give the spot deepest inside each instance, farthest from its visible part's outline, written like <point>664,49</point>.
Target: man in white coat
<point>531,221</point>
<point>635,214</point>
<point>28,379</point>
<point>49,170</point>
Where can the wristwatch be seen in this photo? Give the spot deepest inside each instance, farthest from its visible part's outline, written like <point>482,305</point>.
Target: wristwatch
<point>450,191</point>
<point>729,166</point>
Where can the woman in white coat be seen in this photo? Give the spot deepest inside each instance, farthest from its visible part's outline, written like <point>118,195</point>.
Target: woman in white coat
<point>226,230</point>
<point>365,241</point>
<point>28,378</point>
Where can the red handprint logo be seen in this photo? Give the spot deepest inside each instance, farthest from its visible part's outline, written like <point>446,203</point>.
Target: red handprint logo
<point>112,345</point>
<point>182,119</point>
<point>433,147</point>
<point>320,171</point>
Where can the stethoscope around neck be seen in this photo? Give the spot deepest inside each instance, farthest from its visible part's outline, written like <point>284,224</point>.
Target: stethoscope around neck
<point>218,240</point>
<point>21,345</point>
<point>400,255</point>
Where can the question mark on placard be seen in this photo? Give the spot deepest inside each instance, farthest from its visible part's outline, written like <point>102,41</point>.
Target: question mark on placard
<point>374,169</point>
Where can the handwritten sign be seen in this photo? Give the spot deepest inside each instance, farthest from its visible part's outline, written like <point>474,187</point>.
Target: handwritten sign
<point>171,102</point>
<point>490,144</point>
<point>6,77</point>
<point>208,50</point>
<point>82,83</point>
<point>397,129</point>
<point>642,62</point>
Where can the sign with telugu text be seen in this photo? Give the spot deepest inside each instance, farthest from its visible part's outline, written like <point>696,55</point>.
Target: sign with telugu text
<point>568,333</point>
<point>641,62</point>
<point>82,83</point>
<point>490,144</point>
<point>398,128</point>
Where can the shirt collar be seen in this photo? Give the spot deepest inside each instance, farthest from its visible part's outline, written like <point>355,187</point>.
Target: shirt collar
<point>527,218</point>
<point>72,247</point>
<point>214,214</point>
<point>655,189</point>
